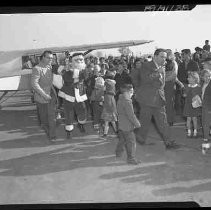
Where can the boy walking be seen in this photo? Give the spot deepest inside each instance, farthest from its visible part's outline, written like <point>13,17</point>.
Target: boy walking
<point>127,122</point>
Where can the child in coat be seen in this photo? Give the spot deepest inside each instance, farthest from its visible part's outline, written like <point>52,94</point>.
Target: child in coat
<point>127,123</point>
<point>97,98</point>
<point>109,113</point>
<point>192,108</point>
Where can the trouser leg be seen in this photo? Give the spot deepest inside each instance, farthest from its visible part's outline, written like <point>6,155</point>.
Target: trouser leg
<point>43,116</point>
<point>121,144</point>
<point>80,109</point>
<point>97,111</point>
<point>81,113</point>
<point>161,122</point>
<point>69,115</point>
<point>38,115</point>
<point>206,121</point>
<point>89,110</point>
<point>169,95</point>
<point>145,119</point>
<point>130,144</point>
<point>178,102</point>
<point>52,118</point>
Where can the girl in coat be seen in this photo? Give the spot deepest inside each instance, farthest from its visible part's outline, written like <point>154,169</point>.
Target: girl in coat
<point>109,113</point>
<point>192,108</point>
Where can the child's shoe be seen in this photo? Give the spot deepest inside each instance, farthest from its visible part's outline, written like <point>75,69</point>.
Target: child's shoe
<point>133,162</point>
<point>205,146</point>
<point>205,140</point>
<point>58,117</point>
<point>195,133</point>
<point>189,133</point>
<point>97,128</point>
<point>118,156</point>
<point>105,135</point>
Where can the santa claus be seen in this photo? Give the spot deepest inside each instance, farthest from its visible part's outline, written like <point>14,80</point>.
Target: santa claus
<point>74,94</point>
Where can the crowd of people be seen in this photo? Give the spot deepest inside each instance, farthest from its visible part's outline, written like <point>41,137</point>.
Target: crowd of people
<point>124,93</point>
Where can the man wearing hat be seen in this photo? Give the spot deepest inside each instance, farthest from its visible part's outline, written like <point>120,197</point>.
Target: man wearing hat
<point>74,94</point>
<point>206,46</point>
<point>186,66</point>
<point>197,55</point>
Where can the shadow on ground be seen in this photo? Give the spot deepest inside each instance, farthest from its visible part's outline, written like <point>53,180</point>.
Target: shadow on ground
<point>88,150</point>
<point>170,172</point>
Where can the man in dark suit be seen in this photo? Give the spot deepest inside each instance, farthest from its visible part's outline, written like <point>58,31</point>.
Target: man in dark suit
<point>206,98</point>
<point>149,84</point>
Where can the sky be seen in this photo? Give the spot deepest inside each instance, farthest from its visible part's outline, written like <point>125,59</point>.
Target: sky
<point>175,30</point>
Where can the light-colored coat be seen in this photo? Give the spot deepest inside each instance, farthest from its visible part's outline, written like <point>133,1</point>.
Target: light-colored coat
<point>42,83</point>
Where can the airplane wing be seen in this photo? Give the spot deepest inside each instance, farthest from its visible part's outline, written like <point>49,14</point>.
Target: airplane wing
<point>73,48</point>
<point>12,77</point>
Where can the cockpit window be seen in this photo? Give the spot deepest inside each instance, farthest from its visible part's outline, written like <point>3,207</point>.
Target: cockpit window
<point>29,61</point>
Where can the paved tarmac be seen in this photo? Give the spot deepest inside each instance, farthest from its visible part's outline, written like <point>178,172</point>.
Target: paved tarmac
<point>84,169</point>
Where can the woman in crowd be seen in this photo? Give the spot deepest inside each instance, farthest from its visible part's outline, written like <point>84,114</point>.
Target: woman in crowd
<point>171,69</point>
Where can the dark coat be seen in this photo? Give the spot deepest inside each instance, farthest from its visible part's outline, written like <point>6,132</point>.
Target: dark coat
<point>149,85</point>
<point>126,117</point>
<point>69,86</point>
<point>183,72</point>
<point>206,101</point>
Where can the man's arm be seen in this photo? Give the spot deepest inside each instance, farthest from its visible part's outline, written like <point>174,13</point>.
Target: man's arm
<point>148,76</point>
<point>35,84</point>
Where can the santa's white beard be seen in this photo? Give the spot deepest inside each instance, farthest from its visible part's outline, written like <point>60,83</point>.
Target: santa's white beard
<point>80,66</point>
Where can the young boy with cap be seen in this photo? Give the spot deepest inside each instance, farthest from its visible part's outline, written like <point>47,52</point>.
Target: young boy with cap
<point>127,122</point>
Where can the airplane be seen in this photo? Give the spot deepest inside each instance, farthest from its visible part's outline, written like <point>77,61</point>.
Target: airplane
<point>15,77</point>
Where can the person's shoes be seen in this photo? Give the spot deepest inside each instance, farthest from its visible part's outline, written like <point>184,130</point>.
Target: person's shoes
<point>195,135</point>
<point>205,148</point>
<point>58,117</point>
<point>105,135</point>
<point>52,140</point>
<point>81,128</point>
<point>171,123</point>
<point>118,155</point>
<point>172,145</point>
<point>69,134</point>
<point>140,142</point>
<point>133,162</point>
<point>189,134</point>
